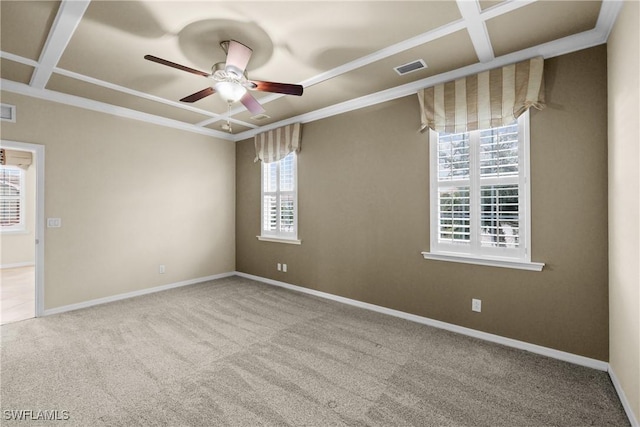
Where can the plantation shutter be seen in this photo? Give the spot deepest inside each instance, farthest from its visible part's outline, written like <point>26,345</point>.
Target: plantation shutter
<point>11,182</point>
<point>279,197</point>
<point>276,144</point>
<point>479,193</point>
<point>486,100</point>
<point>499,169</point>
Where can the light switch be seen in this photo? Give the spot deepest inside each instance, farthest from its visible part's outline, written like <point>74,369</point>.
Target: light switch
<point>54,222</point>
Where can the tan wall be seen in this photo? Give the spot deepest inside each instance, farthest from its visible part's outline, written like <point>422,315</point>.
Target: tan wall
<point>364,219</point>
<point>131,196</point>
<point>19,248</point>
<point>624,193</point>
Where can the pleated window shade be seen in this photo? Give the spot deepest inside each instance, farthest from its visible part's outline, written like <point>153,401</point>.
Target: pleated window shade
<point>276,144</point>
<point>486,100</point>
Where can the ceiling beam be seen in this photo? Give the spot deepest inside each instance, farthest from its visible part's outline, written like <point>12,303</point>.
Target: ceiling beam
<point>504,7</point>
<point>470,11</point>
<point>69,15</point>
<point>18,59</point>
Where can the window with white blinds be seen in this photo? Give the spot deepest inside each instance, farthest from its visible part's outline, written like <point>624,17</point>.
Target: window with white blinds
<point>479,192</point>
<point>279,198</point>
<point>12,199</point>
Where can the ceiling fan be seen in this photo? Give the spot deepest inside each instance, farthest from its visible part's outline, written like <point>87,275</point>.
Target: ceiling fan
<point>231,80</point>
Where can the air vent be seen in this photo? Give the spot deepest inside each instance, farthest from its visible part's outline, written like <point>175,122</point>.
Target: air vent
<point>410,67</point>
<point>259,117</point>
<point>8,112</point>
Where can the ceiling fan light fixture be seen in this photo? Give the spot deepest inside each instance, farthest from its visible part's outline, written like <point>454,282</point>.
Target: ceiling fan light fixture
<point>229,91</point>
<point>230,77</point>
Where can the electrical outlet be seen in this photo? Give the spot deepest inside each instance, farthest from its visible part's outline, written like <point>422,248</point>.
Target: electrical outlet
<point>279,267</point>
<point>284,268</point>
<point>161,269</point>
<point>476,305</point>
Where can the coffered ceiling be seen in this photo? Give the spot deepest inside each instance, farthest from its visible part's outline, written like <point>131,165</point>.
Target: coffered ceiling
<point>90,54</point>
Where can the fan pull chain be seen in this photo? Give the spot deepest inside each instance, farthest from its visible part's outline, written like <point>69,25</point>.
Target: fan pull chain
<point>227,126</point>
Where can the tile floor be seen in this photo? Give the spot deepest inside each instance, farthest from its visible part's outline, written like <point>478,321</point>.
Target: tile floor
<point>17,294</point>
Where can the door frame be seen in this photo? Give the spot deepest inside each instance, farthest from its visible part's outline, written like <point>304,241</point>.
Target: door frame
<point>38,153</point>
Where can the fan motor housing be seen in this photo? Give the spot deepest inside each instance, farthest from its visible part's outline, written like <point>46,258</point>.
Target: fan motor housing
<point>223,71</point>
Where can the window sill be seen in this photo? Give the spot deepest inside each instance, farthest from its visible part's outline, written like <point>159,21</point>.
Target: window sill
<point>279,240</point>
<point>15,231</point>
<point>520,265</point>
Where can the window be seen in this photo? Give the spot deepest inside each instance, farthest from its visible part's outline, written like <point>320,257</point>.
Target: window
<point>12,201</point>
<point>480,194</point>
<point>280,200</point>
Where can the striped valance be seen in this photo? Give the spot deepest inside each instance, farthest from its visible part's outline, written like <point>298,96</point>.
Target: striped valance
<point>22,159</point>
<point>489,99</point>
<point>275,144</point>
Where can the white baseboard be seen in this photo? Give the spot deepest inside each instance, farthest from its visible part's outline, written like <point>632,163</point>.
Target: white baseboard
<point>18,265</point>
<point>533,348</point>
<point>623,398</point>
<point>118,297</point>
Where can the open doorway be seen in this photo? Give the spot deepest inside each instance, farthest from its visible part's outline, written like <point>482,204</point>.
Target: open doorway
<point>20,231</point>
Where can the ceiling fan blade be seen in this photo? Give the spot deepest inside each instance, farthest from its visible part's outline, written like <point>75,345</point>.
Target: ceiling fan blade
<point>199,95</point>
<point>286,88</point>
<point>174,65</point>
<point>238,56</point>
<point>252,104</point>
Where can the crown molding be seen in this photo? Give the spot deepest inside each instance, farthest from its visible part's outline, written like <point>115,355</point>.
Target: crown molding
<point>89,104</point>
<point>608,14</point>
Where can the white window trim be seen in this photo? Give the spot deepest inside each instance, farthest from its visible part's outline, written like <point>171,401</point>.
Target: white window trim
<point>279,240</point>
<point>444,252</point>
<point>490,262</point>
<point>20,228</point>
<point>277,237</point>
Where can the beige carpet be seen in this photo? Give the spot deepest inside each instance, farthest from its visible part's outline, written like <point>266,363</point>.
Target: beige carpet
<point>237,352</point>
